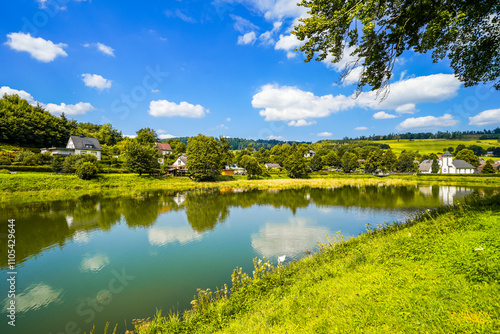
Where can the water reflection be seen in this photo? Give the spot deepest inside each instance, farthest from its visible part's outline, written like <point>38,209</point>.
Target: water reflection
<point>292,238</point>
<point>35,297</point>
<point>47,225</point>
<point>94,263</point>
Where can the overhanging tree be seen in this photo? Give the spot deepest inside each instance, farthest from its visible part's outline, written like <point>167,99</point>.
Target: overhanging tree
<point>379,31</point>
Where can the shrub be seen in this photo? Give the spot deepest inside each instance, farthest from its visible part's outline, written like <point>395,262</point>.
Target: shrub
<point>4,171</point>
<point>86,170</point>
<point>5,161</point>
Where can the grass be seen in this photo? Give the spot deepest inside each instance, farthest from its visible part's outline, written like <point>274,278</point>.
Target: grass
<point>437,273</point>
<point>427,146</point>
<point>35,187</point>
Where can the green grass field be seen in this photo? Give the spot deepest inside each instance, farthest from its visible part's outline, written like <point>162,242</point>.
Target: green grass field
<point>426,146</point>
<point>438,273</point>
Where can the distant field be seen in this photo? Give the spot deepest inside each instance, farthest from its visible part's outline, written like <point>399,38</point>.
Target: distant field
<point>425,146</point>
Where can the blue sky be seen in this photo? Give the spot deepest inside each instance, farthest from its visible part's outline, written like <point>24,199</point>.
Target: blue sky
<point>222,67</point>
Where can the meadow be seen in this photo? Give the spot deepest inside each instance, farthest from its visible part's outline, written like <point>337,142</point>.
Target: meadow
<point>436,273</point>
<point>427,146</point>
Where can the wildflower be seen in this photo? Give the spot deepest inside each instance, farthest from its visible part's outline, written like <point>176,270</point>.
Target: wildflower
<point>478,249</point>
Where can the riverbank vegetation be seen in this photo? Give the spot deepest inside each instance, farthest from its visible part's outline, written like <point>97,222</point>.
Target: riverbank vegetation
<point>439,272</point>
<point>35,187</point>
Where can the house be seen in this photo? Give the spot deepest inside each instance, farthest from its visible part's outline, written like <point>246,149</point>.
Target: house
<point>448,165</point>
<point>164,148</point>
<point>77,145</point>
<point>270,165</point>
<point>495,165</point>
<point>309,154</point>
<point>179,167</point>
<point>233,170</point>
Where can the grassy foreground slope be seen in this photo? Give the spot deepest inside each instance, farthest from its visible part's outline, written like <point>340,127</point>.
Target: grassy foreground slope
<point>439,273</point>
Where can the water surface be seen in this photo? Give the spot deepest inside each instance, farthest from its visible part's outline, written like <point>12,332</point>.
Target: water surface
<point>99,259</point>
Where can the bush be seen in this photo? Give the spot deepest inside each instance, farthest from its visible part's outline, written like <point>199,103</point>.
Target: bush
<point>20,168</point>
<point>4,171</point>
<point>86,170</point>
<point>22,155</point>
<point>5,161</point>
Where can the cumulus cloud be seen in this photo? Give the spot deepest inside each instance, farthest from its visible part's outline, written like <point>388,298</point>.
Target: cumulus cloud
<point>426,123</point>
<point>361,128</point>
<point>325,134</point>
<point>275,137</point>
<point>346,60</point>
<point>129,136</point>
<point>164,108</point>
<point>167,136</point>
<point>383,115</point>
<point>288,43</point>
<point>408,108</point>
<point>292,104</point>
<point>107,50</point>
<point>80,108</point>
<point>39,48</point>
<point>487,117</point>
<point>248,38</point>
<point>22,94</point>
<point>96,81</point>
<point>405,94</point>
<point>301,122</point>
<point>267,38</point>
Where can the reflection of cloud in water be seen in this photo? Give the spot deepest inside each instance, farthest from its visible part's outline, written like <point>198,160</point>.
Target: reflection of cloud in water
<point>325,209</point>
<point>35,297</point>
<point>81,237</point>
<point>94,263</point>
<point>161,236</point>
<point>288,239</point>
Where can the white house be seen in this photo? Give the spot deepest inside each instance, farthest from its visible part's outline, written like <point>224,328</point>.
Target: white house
<point>309,154</point>
<point>448,165</point>
<point>77,145</point>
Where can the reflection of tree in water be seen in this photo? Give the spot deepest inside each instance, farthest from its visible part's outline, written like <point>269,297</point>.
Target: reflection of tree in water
<point>44,225</point>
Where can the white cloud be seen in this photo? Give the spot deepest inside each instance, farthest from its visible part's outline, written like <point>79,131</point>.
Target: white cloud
<point>288,43</point>
<point>39,48</point>
<point>22,94</point>
<point>361,128</point>
<point>101,47</point>
<point>178,13</point>
<point>346,60</point>
<point>161,131</point>
<point>274,9</point>
<point>275,137</point>
<point>96,81</point>
<point>353,76</point>
<point>247,38</point>
<point>266,38</point>
<point>242,25</point>
<point>301,122</point>
<point>167,136</point>
<point>221,126</point>
<point>408,108</point>
<point>426,123</point>
<point>129,136</point>
<point>405,94</point>
<point>228,119</point>
<point>154,91</point>
<point>290,103</point>
<point>325,134</point>
<point>383,115</point>
<point>487,117</point>
<point>80,108</point>
<point>164,108</point>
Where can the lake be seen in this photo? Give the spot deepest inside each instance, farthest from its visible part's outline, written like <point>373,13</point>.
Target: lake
<point>116,259</point>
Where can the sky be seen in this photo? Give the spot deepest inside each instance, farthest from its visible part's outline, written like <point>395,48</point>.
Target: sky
<point>221,68</point>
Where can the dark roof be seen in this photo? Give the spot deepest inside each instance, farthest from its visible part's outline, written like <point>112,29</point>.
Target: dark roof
<point>425,166</point>
<point>164,146</point>
<point>462,164</point>
<point>447,154</point>
<point>82,143</point>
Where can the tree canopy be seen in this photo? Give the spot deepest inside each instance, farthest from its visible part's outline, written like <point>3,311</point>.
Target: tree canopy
<point>378,32</point>
<point>204,158</point>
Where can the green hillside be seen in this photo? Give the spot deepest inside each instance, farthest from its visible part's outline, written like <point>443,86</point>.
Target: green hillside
<point>427,146</point>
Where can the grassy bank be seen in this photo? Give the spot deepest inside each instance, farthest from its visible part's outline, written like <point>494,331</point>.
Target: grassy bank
<point>437,273</point>
<point>32,187</point>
